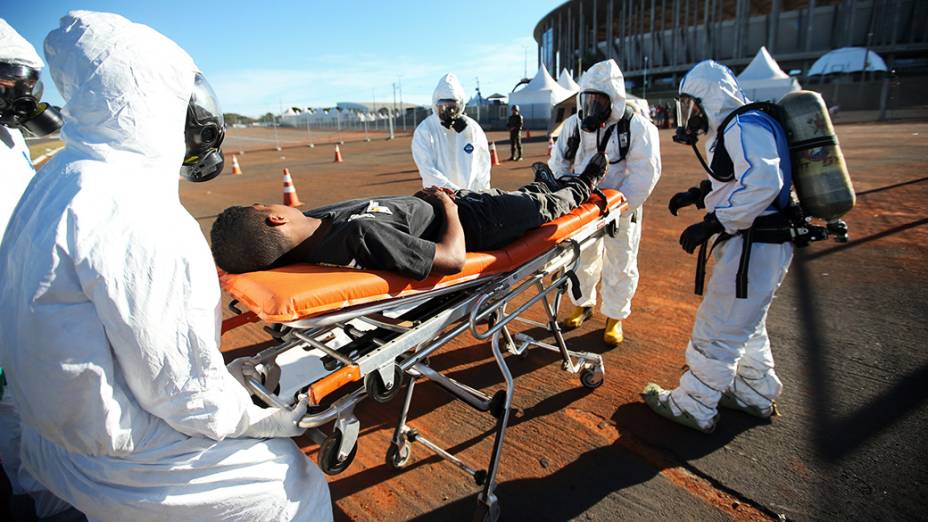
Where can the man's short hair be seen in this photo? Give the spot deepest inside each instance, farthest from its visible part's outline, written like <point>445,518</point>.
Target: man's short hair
<point>242,241</point>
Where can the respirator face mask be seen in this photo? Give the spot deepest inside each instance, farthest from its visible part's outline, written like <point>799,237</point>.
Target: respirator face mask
<point>449,113</point>
<point>20,101</point>
<point>203,134</point>
<point>691,120</point>
<point>595,109</point>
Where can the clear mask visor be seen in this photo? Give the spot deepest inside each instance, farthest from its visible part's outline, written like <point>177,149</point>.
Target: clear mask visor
<point>448,109</point>
<point>204,102</point>
<point>687,107</point>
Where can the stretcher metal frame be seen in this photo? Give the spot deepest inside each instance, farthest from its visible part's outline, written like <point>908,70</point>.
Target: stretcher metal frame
<point>479,306</point>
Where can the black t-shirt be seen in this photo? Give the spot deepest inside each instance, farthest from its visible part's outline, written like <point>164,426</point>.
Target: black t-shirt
<point>399,233</point>
<point>389,233</point>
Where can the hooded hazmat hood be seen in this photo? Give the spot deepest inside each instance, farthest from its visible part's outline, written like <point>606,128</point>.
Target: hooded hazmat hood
<point>606,77</point>
<point>448,88</point>
<point>16,50</point>
<point>716,88</point>
<point>130,104</point>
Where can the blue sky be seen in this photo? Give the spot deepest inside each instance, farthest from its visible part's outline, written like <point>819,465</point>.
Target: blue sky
<point>261,56</point>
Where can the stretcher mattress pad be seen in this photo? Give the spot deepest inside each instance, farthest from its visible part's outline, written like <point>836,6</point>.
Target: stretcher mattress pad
<point>303,290</point>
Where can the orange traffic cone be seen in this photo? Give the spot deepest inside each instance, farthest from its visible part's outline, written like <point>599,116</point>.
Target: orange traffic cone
<point>290,197</point>
<point>236,169</point>
<point>528,134</point>
<point>494,158</point>
<point>338,154</point>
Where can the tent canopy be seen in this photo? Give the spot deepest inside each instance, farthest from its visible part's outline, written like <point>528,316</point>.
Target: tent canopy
<point>763,80</point>
<point>539,96</point>
<point>848,60</point>
<point>762,67</point>
<point>567,82</point>
<point>542,89</point>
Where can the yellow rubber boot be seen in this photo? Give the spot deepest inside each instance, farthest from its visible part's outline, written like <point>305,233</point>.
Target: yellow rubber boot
<point>613,333</point>
<point>577,316</point>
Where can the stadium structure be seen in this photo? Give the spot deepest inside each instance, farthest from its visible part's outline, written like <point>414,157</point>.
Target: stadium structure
<point>656,41</point>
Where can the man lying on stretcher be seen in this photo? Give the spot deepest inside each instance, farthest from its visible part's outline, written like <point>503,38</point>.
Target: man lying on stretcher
<point>413,235</point>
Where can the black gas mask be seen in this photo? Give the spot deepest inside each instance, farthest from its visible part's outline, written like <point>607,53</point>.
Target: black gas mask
<point>595,108</point>
<point>691,120</point>
<point>20,105</point>
<point>203,133</point>
<point>450,114</point>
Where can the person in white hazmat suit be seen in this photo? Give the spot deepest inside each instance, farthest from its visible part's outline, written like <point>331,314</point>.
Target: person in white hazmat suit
<point>632,148</point>
<point>728,357</point>
<point>110,328</point>
<point>20,93</point>
<point>449,148</point>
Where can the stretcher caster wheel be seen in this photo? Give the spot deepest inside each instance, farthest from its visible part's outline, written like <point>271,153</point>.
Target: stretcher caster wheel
<point>591,378</point>
<point>398,456</point>
<point>328,454</point>
<point>378,391</point>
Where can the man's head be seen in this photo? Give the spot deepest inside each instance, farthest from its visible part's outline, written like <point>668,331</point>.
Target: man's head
<point>128,89</point>
<point>247,239</point>
<point>448,103</point>
<point>20,87</point>
<point>515,109</point>
<point>602,96</point>
<point>707,94</point>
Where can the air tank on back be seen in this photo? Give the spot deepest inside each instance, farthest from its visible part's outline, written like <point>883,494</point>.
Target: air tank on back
<point>819,171</point>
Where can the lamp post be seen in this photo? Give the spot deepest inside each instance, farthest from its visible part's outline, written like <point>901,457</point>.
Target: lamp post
<point>399,82</point>
<point>309,113</point>
<point>645,95</point>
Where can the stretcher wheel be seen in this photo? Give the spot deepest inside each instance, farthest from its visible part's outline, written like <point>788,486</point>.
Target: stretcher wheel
<point>591,378</point>
<point>378,391</point>
<point>328,454</point>
<point>398,456</point>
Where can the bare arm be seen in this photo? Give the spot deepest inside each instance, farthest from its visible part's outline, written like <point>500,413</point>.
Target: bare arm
<point>450,250</point>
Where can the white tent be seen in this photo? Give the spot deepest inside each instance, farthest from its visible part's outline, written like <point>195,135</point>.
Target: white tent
<point>763,80</point>
<point>539,96</point>
<point>567,82</point>
<point>847,60</point>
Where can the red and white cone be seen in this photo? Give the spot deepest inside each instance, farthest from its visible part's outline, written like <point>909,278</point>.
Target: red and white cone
<point>290,197</point>
<point>338,154</point>
<point>494,158</point>
<point>550,145</point>
<point>236,169</point>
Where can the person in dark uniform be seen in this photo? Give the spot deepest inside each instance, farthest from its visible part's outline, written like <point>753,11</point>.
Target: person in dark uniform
<point>515,134</point>
<point>412,235</point>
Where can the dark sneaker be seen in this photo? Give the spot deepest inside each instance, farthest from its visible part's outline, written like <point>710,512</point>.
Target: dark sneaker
<point>544,175</point>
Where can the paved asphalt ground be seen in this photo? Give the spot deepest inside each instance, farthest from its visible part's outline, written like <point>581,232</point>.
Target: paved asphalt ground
<point>848,329</point>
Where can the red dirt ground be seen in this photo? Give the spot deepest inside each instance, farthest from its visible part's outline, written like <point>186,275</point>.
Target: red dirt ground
<point>846,447</point>
<point>558,426</point>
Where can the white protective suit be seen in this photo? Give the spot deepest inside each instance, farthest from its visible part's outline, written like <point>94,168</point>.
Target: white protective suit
<point>445,157</point>
<point>615,259</point>
<point>729,348</point>
<point>110,328</point>
<point>15,174</point>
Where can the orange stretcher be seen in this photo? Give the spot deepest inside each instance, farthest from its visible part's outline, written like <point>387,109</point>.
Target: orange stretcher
<point>388,325</point>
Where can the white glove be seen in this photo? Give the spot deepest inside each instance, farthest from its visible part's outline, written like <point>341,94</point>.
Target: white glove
<point>278,422</point>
